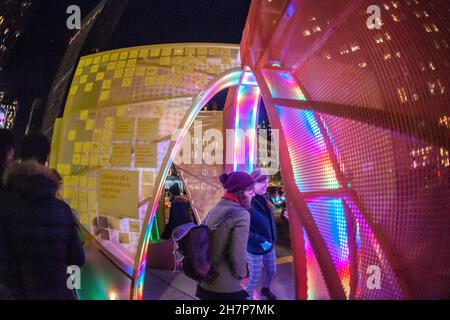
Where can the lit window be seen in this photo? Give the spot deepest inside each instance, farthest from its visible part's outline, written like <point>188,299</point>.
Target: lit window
<point>387,56</point>
<point>316,29</point>
<point>431,87</point>
<point>434,27</point>
<point>386,6</point>
<point>397,54</point>
<point>355,47</point>
<point>328,56</point>
<point>1,20</point>
<point>431,66</point>
<point>394,4</point>
<point>312,18</point>
<point>417,14</point>
<point>427,28</point>
<point>362,64</point>
<point>401,92</point>
<point>379,40</point>
<point>306,33</point>
<point>440,86</point>
<point>437,44</point>
<point>415,96</point>
<point>387,36</point>
<point>425,14</point>
<point>422,66</point>
<point>395,18</point>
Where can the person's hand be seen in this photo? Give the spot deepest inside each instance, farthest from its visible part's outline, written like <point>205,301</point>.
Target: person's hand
<point>265,245</point>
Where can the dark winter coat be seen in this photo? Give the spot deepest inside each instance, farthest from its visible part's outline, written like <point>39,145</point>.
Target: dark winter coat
<point>262,225</point>
<point>180,213</point>
<point>38,235</point>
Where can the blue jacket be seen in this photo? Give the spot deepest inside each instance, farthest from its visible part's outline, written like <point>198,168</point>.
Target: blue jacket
<point>262,226</point>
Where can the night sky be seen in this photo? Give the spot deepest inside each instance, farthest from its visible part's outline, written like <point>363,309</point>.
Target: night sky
<point>36,56</point>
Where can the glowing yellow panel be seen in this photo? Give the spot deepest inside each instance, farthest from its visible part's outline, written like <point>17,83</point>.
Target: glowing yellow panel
<point>72,135</point>
<point>84,160</point>
<point>143,53</point>
<point>121,64</point>
<point>149,81</point>
<point>140,71</point>
<point>96,134</point>
<point>189,51</point>
<point>127,82</point>
<point>95,147</point>
<point>154,52</point>
<point>73,90</point>
<point>118,73</point>
<point>152,70</point>
<point>104,95</point>
<point>134,54</point>
<point>121,111</point>
<point>78,146</point>
<point>178,51</point>
<point>79,72</point>
<point>96,60</point>
<point>105,58</point>
<point>83,181</point>
<point>114,56</point>
<point>94,69</point>
<point>100,76</point>
<point>86,147</point>
<point>213,52</point>
<point>89,125</point>
<point>88,87</point>
<point>129,72</point>
<point>164,61</point>
<point>165,52</point>
<point>83,79</point>
<point>76,159</point>
<point>131,63</point>
<point>202,51</point>
<point>106,84</point>
<point>88,61</point>
<point>225,52</point>
<point>95,160</point>
<point>123,55</point>
<point>111,65</point>
<point>74,181</point>
<point>92,182</point>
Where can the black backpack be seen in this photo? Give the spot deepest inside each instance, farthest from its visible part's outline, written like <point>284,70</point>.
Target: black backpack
<point>193,250</point>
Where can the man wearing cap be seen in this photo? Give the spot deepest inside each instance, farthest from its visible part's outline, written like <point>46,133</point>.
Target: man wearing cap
<point>262,237</point>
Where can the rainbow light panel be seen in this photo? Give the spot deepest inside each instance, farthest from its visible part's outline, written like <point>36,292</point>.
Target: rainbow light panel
<point>282,85</point>
<point>311,163</point>
<point>245,123</point>
<point>328,213</point>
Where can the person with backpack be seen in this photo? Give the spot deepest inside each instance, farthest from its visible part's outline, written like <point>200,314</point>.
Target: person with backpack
<point>263,235</point>
<point>230,221</point>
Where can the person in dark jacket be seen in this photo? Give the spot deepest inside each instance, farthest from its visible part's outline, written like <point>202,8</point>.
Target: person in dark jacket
<point>228,240</point>
<point>38,235</point>
<point>179,211</point>
<point>262,238</point>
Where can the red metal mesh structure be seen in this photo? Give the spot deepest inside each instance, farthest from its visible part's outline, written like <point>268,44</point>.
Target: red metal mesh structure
<point>364,121</point>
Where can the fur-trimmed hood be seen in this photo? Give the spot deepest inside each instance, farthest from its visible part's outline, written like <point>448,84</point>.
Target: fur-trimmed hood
<point>35,181</point>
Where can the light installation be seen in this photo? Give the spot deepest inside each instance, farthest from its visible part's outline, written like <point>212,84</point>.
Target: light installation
<point>345,135</point>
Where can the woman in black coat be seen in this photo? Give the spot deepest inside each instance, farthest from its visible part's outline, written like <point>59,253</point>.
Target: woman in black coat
<point>38,235</point>
<point>180,211</point>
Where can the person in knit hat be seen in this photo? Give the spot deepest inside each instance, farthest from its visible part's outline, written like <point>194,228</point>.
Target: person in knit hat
<point>262,238</point>
<point>231,221</point>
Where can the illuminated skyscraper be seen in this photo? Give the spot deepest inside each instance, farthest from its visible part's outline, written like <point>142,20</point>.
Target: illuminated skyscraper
<point>13,17</point>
